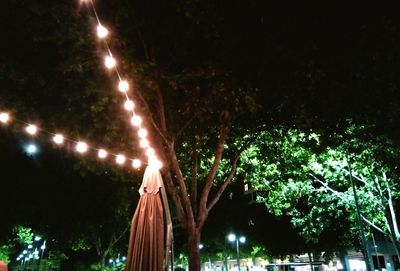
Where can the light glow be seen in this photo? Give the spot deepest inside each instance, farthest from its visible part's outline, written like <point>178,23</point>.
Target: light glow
<point>150,152</point>
<point>120,159</point>
<point>154,162</point>
<point>144,143</point>
<point>129,105</point>
<point>142,133</point>
<point>102,32</point>
<point>136,120</point>
<point>231,237</point>
<point>31,129</point>
<point>31,149</point>
<point>123,86</point>
<point>102,154</point>
<point>136,163</point>
<point>110,62</point>
<point>4,117</point>
<point>81,147</point>
<point>58,139</point>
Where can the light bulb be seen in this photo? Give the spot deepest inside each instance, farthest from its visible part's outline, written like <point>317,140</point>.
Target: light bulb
<point>136,120</point>
<point>144,143</point>
<point>150,152</point>
<point>58,139</point>
<point>153,161</point>
<point>31,129</point>
<point>81,147</point>
<point>129,105</point>
<point>102,32</point>
<point>136,163</point>
<point>142,133</point>
<point>4,117</point>
<point>102,154</point>
<point>110,62</point>
<point>123,86</point>
<point>120,159</point>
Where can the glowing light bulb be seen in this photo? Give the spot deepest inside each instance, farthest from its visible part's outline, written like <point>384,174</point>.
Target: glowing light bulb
<point>129,105</point>
<point>81,147</point>
<point>110,62</point>
<point>31,149</point>
<point>120,159</point>
<point>136,120</point>
<point>102,32</point>
<point>142,133</point>
<point>102,154</point>
<point>4,117</point>
<point>150,152</point>
<point>31,129</point>
<point>58,139</point>
<point>144,143</point>
<point>154,162</point>
<point>123,86</point>
<point>136,163</point>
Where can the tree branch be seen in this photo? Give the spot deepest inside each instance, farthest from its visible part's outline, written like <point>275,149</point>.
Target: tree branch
<point>223,134</point>
<point>193,178</point>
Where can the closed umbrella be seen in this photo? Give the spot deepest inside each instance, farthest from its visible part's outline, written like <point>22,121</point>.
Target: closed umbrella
<point>146,242</point>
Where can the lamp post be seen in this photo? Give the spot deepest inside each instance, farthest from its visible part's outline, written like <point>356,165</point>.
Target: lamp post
<point>232,238</point>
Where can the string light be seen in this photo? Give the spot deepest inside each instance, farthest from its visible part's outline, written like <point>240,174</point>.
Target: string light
<point>136,120</point>
<point>110,62</point>
<point>58,139</point>
<point>123,86</point>
<point>31,129</point>
<point>102,154</point>
<point>4,117</point>
<point>102,32</point>
<point>129,105</point>
<point>81,147</point>
<point>120,159</point>
<point>144,143</point>
<point>142,133</point>
<point>136,163</point>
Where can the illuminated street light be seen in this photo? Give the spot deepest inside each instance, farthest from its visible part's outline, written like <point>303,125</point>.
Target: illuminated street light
<point>232,238</point>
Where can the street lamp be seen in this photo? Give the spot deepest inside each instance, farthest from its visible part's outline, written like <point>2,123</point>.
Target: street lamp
<point>232,238</point>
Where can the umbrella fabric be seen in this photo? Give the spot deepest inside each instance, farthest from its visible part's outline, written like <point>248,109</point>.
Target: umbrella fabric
<point>146,243</point>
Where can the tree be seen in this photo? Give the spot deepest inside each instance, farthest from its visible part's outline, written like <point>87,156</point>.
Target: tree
<point>310,182</point>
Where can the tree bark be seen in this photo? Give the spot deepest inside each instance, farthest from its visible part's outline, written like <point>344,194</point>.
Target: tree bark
<point>193,249</point>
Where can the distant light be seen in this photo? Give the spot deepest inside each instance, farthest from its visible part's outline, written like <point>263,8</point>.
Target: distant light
<point>120,159</point>
<point>123,86</point>
<point>201,246</point>
<point>129,105</point>
<point>136,163</point>
<point>110,62</point>
<point>38,238</point>
<point>58,139</point>
<point>81,147</point>
<point>242,239</point>
<point>231,237</point>
<point>123,258</point>
<point>142,133</point>
<point>111,260</point>
<point>136,120</point>
<point>31,129</point>
<point>30,246</point>
<point>4,117</point>
<point>43,247</point>
<point>102,32</point>
<point>24,252</point>
<point>31,149</point>
<point>102,154</point>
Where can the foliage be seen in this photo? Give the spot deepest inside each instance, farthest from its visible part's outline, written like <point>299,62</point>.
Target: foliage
<point>295,175</point>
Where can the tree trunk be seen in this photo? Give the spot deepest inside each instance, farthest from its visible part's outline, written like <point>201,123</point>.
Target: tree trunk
<point>194,251</point>
<point>310,260</point>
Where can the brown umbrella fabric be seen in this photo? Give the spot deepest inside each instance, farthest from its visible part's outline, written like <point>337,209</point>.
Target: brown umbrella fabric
<point>146,243</point>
